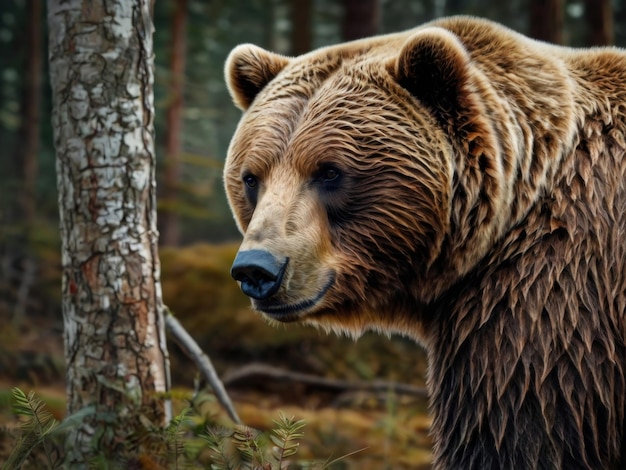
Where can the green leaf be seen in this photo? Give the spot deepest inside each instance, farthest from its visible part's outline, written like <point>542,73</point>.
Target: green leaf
<point>72,421</point>
<point>35,428</point>
<point>285,437</point>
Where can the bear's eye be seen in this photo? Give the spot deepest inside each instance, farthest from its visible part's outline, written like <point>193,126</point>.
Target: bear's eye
<point>250,181</point>
<point>330,174</point>
<point>333,189</point>
<point>329,177</point>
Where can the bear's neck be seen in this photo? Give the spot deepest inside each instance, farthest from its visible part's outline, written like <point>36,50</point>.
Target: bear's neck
<point>508,337</point>
<point>507,159</point>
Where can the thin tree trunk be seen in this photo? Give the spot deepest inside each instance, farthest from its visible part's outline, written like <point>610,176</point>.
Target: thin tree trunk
<point>301,26</point>
<point>28,144</point>
<point>360,19</point>
<point>101,71</point>
<point>599,18</point>
<point>170,220</point>
<point>546,20</point>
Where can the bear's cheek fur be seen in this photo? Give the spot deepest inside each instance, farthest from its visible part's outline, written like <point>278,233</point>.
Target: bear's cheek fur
<point>338,274</point>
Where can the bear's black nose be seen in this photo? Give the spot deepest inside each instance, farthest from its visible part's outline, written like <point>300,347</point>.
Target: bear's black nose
<point>259,272</point>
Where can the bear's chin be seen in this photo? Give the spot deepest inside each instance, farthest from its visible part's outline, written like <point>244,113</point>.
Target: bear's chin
<point>287,312</point>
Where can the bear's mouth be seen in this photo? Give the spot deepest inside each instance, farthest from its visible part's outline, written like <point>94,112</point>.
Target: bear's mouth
<point>291,312</point>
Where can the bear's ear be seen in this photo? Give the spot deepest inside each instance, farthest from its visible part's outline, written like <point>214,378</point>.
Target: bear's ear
<point>248,69</point>
<point>434,67</point>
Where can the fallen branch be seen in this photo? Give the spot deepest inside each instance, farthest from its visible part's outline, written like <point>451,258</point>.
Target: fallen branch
<point>277,373</point>
<point>202,361</point>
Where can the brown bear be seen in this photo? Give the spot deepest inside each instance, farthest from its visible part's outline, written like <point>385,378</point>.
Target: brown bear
<point>464,185</point>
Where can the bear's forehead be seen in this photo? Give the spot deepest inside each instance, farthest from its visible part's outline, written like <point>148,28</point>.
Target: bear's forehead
<point>305,108</point>
<point>339,67</point>
<point>318,93</point>
<point>305,78</point>
<point>325,104</point>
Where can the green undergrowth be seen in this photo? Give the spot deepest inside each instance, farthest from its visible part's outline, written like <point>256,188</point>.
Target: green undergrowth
<point>199,290</point>
<point>201,436</point>
<point>193,439</point>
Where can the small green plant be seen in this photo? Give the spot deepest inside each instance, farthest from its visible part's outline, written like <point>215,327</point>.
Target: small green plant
<point>191,440</point>
<point>36,427</point>
<point>175,435</point>
<point>41,440</point>
<point>249,449</point>
<point>286,437</point>
<point>244,448</point>
<point>249,442</point>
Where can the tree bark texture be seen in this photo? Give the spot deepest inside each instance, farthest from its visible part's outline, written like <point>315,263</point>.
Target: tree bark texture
<point>101,70</point>
<point>169,219</point>
<point>546,20</point>
<point>599,19</point>
<point>360,19</point>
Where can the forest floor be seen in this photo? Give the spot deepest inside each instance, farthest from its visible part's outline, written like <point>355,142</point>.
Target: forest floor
<point>267,371</point>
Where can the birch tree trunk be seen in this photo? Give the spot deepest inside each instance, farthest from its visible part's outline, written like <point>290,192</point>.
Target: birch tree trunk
<point>101,71</point>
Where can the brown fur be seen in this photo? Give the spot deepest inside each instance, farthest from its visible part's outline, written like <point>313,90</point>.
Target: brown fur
<point>481,209</point>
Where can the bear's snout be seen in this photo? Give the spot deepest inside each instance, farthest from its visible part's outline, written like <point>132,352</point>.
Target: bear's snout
<point>259,272</point>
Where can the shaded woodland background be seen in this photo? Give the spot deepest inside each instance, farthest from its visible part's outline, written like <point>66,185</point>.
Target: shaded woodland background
<point>194,122</point>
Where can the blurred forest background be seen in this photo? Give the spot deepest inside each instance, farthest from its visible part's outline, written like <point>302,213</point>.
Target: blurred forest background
<point>194,122</point>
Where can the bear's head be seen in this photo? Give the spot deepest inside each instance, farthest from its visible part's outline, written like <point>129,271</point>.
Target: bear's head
<point>341,176</point>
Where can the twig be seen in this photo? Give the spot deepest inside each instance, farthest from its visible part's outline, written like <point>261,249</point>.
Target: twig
<point>277,373</point>
<point>202,361</point>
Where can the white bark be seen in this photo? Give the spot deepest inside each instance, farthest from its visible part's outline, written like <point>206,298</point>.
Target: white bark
<point>101,69</point>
